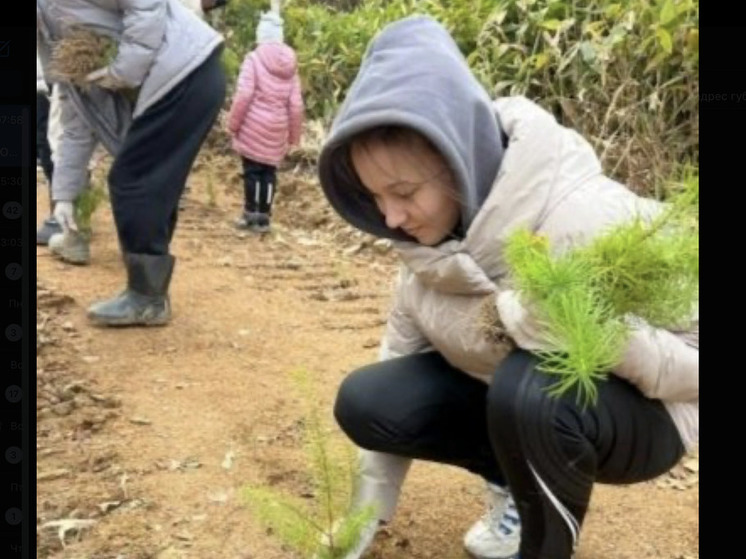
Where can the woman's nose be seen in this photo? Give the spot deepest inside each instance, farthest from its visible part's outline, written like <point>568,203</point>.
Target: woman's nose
<point>395,214</point>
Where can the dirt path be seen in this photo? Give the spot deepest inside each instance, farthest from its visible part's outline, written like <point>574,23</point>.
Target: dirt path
<point>151,433</point>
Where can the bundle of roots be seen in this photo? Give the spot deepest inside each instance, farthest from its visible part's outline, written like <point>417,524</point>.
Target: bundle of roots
<point>79,54</point>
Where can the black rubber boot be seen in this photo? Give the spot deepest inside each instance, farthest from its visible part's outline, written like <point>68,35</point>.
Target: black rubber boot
<point>145,302</point>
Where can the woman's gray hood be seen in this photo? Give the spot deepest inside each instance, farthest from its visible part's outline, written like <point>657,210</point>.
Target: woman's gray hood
<point>413,75</point>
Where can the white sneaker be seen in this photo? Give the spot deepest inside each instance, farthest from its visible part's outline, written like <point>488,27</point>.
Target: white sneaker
<point>497,535</point>
<point>71,247</point>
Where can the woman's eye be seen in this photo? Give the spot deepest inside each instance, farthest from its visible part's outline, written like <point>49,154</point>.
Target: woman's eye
<point>406,193</point>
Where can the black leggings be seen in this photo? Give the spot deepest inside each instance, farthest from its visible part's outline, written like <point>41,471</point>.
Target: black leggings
<point>549,451</point>
<point>260,186</point>
<point>150,171</point>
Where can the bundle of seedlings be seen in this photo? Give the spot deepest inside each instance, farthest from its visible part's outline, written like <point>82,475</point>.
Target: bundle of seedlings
<point>586,301</point>
<point>324,525</point>
<point>78,54</point>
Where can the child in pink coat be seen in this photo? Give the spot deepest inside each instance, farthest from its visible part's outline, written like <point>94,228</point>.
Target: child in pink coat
<point>265,119</point>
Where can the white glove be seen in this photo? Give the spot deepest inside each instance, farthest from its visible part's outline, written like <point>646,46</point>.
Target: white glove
<point>64,213</point>
<point>525,330</point>
<point>104,78</point>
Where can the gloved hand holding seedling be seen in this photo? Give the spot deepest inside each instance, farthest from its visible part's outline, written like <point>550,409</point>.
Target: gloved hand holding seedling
<point>577,310</point>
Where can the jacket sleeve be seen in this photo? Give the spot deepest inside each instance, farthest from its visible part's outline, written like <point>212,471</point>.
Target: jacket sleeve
<point>144,29</point>
<point>194,6</point>
<point>75,149</point>
<point>402,335</point>
<point>662,364</point>
<point>242,98</point>
<point>295,112</point>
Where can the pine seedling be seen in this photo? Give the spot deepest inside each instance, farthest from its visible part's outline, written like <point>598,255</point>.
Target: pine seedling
<point>86,203</point>
<point>326,526</point>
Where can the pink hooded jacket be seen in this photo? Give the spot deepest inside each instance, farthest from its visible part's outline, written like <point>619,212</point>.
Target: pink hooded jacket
<point>266,115</point>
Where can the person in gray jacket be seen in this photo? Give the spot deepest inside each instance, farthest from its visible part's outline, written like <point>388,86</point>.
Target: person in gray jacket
<point>44,152</point>
<point>168,61</point>
<point>419,154</point>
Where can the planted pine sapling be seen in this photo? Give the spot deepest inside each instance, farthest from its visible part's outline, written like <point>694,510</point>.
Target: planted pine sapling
<point>586,300</point>
<point>324,526</point>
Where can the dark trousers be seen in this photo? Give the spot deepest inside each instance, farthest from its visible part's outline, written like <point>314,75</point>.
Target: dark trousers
<point>150,171</point>
<point>259,183</point>
<point>549,451</point>
<point>43,150</point>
